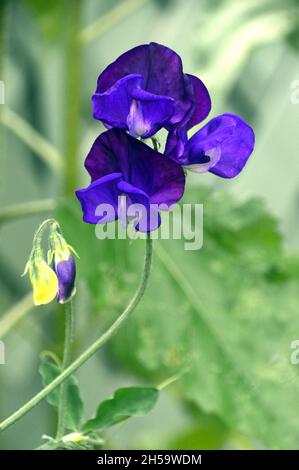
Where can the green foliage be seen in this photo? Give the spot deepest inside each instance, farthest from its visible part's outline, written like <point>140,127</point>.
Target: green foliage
<point>74,405</point>
<point>125,403</point>
<point>229,312</point>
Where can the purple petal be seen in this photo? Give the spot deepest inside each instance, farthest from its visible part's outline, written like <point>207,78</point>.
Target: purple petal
<point>103,191</point>
<point>148,113</point>
<point>201,100</point>
<point>127,106</point>
<point>113,106</point>
<point>115,151</point>
<point>162,74</point>
<point>66,274</point>
<point>201,106</point>
<point>175,143</point>
<point>228,142</point>
<point>139,205</point>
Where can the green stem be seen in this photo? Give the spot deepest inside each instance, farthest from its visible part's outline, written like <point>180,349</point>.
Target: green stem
<point>89,352</point>
<point>73,93</point>
<point>17,211</point>
<point>37,239</point>
<point>65,362</point>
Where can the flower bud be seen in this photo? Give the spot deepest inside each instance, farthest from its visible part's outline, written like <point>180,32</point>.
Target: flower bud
<point>61,255</point>
<point>66,274</point>
<point>57,277</point>
<point>43,279</point>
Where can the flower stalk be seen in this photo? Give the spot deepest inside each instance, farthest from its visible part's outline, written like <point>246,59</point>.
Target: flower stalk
<point>89,352</point>
<point>68,339</point>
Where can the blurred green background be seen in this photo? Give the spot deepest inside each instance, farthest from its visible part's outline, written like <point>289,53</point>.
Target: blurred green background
<point>227,314</point>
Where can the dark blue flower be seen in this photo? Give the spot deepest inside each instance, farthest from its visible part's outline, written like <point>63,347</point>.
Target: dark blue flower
<point>65,270</point>
<point>61,256</point>
<point>122,166</point>
<point>145,89</point>
<point>222,147</point>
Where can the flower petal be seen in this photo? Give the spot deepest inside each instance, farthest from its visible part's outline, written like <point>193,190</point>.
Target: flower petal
<point>201,101</point>
<point>148,113</point>
<point>162,74</point>
<point>113,106</point>
<point>127,106</point>
<point>66,274</point>
<point>200,108</point>
<point>115,151</point>
<point>176,141</point>
<point>102,191</point>
<point>227,139</point>
<point>45,284</point>
<point>139,205</point>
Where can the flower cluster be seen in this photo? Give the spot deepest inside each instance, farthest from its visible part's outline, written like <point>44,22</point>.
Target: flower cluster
<point>143,91</point>
<point>56,276</point>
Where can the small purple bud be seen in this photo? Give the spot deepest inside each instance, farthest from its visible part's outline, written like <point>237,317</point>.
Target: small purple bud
<point>66,273</point>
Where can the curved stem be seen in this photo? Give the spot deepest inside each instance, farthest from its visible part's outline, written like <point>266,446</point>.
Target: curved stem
<point>65,362</point>
<point>89,352</point>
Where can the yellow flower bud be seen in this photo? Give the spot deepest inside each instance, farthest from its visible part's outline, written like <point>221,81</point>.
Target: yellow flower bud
<point>48,283</point>
<point>44,282</point>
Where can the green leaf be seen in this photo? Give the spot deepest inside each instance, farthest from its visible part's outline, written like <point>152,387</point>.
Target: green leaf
<point>125,403</point>
<point>49,371</point>
<point>229,312</point>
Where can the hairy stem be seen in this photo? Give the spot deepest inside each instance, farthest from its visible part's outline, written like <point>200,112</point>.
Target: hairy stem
<point>89,352</point>
<point>65,362</point>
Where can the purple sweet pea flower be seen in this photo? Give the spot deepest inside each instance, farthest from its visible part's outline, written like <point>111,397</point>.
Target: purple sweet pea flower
<point>199,110</point>
<point>145,89</point>
<point>121,166</point>
<point>61,258</point>
<point>65,270</point>
<point>222,147</point>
